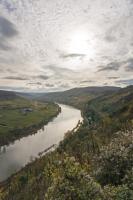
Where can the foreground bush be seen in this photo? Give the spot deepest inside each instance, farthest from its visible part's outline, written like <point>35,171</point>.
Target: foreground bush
<point>73,184</point>
<point>115,160</point>
<point>122,192</point>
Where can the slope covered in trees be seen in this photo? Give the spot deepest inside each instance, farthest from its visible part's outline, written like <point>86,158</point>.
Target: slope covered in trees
<point>76,96</point>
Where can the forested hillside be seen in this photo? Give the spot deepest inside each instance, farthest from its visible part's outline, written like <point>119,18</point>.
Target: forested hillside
<point>76,96</point>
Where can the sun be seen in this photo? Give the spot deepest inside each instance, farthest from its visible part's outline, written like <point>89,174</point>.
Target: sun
<point>79,42</point>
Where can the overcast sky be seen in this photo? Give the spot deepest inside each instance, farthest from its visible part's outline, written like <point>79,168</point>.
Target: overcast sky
<point>50,45</point>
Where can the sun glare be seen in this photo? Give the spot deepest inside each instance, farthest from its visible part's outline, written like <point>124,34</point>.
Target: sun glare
<point>79,43</point>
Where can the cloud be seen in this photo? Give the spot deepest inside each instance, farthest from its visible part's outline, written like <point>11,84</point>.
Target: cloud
<point>113,66</point>
<point>131,1</point>
<point>110,35</point>
<point>43,77</point>
<point>58,72</point>
<point>125,81</point>
<point>65,85</point>
<point>110,38</point>
<point>7,28</point>
<point>72,55</point>
<point>4,45</point>
<point>13,88</point>
<point>113,32</point>
<point>34,83</point>
<point>87,81</point>
<point>129,65</point>
<point>7,31</point>
<point>113,77</point>
<point>49,85</point>
<point>15,78</point>
<point>8,5</point>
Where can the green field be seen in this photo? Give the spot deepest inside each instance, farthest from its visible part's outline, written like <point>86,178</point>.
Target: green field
<point>15,119</point>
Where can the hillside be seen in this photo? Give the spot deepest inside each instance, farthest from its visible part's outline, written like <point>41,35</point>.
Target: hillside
<point>6,95</point>
<point>20,116</point>
<point>95,162</point>
<point>76,96</point>
<point>116,107</point>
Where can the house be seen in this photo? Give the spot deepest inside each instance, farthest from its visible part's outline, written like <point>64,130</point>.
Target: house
<point>26,110</point>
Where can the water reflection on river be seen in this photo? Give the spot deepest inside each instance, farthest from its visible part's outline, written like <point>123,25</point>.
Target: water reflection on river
<point>15,156</point>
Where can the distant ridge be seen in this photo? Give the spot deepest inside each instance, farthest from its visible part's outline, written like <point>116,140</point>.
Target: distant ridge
<point>77,96</point>
<point>7,95</point>
<point>82,90</point>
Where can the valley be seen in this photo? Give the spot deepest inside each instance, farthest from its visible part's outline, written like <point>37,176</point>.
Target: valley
<point>20,117</point>
<point>93,162</point>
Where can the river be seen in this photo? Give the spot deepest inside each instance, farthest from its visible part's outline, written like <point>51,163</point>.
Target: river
<point>15,156</point>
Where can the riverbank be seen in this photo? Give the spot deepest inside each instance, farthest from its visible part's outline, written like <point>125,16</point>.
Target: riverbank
<point>15,156</point>
<point>23,117</point>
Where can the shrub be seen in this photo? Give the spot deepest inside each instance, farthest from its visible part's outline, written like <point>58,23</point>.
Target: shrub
<point>115,160</point>
<point>73,184</point>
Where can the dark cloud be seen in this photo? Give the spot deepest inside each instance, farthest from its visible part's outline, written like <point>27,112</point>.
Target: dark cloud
<point>21,77</point>
<point>7,31</point>
<point>43,77</point>
<point>129,65</point>
<point>8,5</point>
<point>38,83</point>
<point>125,81</point>
<point>105,84</point>
<point>7,28</point>
<point>113,77</point>
<point>87,81</point>
<point>15,78</point>
<point>49,85</point>
<point>34,83</point>
<point>113,66</point>
<point>72,55</point>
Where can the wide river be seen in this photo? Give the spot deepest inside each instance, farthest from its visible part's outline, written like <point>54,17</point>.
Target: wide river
<point>15,156</point>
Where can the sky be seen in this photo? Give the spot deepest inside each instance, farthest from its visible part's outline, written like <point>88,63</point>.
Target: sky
<point>54,45</point>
